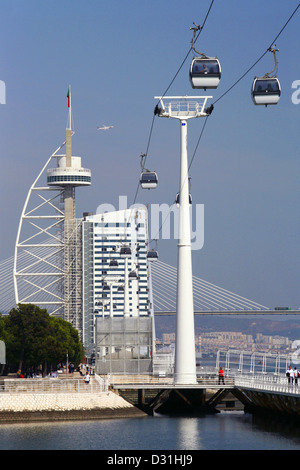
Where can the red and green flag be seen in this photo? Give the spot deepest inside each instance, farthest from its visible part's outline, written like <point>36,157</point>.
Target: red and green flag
<point>69,97</point>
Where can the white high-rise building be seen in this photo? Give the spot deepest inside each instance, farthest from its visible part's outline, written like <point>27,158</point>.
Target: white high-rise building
<point>117,297</point>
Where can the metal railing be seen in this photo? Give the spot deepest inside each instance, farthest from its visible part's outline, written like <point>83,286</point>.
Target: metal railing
<point>52,385</point>
<point>205,380</point>
<point>263,382</point>
<point>138,379</point>
<point>268,383</point>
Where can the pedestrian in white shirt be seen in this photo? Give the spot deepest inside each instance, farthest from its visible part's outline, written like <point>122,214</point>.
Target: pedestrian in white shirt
<point>296,376</point>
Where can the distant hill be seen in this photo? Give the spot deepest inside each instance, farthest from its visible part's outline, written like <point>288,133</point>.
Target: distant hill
<point>287,326</point>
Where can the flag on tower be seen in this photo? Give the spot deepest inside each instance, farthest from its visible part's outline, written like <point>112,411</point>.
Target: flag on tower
<point>68,96</point>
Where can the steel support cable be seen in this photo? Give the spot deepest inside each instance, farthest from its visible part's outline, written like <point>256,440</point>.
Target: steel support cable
<point>166,278</point>
<point>169,86</point>
<point>163,289</point>
<point>235,298</point>
<point>262,55</point>
<point>196,294</point>
<point>244,74</point>
<point>160,293</point>
<point>188,53</point>
<point>225,93</point>
<point>200,298</point>
<point>159,300</point>
<point>146,154</point>
<point>223,293</point>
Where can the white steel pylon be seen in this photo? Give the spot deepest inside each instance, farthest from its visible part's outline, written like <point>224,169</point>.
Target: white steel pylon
<point>50,236</point>
<point>184,108</point>
<point>40,237</point>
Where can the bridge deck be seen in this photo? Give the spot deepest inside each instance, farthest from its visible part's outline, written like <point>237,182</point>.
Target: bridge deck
<point>150,382</point>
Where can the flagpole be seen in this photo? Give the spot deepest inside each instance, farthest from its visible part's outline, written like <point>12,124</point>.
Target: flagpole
<point>69,132</point>
<point>70,108</point>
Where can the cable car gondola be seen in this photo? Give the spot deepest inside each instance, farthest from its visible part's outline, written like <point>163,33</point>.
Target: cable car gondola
<point>113,262</point>
<point>177,200</point>
<point>152,255</point>
<point>125,252</point>
<point>132,275</point>
<point>148,179</point>
<point>266,90</point>
<point>205,72</point>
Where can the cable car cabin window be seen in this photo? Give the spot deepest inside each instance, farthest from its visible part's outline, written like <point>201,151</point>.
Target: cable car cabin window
<point>205,67</point>
<point>149,178</point>
<point>266,86</point>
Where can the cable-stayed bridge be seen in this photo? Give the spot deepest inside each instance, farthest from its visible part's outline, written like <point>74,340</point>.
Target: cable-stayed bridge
<point>208,297</point>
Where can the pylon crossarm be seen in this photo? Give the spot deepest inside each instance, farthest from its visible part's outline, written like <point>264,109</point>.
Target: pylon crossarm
<point>182,107</point>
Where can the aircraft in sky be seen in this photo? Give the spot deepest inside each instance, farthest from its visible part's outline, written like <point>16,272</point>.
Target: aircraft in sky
<point>104,128</point>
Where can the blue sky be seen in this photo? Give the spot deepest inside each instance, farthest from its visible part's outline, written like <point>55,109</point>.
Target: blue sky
<point>117,56</point>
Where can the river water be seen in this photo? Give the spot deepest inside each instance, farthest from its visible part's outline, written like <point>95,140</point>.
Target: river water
<point>222,431</point>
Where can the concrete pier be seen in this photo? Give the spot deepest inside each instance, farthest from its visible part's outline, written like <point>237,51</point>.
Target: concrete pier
<point>25,403</point>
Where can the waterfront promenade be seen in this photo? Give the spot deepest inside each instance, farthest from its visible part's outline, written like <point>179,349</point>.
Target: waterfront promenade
<point>46,399</point>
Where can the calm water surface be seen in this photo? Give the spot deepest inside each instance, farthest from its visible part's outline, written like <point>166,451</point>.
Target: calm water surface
<point>224,431</point>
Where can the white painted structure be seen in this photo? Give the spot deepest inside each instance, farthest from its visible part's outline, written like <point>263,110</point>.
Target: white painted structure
<point>50,236</point>
<point>115,284</point>
<point>184,108</point>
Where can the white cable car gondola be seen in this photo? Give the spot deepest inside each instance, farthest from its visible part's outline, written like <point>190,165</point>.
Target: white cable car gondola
<point>125,252</point>
<point>266,90</point>
<point>205,72</point>
<point>113,263</point>
<point>177,200</point>
<point>132,275</point>
<point>148,179</point>
<point>152,255</point>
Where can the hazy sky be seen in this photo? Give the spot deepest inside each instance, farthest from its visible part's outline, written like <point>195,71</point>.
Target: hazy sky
<point>117,55</point>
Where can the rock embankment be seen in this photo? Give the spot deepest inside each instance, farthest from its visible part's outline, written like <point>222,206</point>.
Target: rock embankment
<point>64,406</point>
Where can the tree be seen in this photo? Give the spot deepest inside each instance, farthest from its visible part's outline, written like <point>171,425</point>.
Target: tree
<point>33,338</point>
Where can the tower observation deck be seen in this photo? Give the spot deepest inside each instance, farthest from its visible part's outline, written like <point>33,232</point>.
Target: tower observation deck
<point>51,235</point>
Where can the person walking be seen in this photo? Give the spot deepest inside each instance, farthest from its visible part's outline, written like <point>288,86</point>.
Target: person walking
<point>221,376</point>
<point>290,375</point>
<point>87,378</point>
<point>295,376</point>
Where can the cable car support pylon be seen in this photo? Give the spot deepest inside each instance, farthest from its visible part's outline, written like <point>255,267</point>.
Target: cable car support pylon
<point>184,108</point>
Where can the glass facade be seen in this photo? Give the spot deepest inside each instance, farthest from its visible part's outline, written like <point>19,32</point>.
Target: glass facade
<point>124,345</point>
<point>69,178</point>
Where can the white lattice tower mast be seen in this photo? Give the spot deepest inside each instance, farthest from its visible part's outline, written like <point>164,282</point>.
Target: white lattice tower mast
<point>54,278</point>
